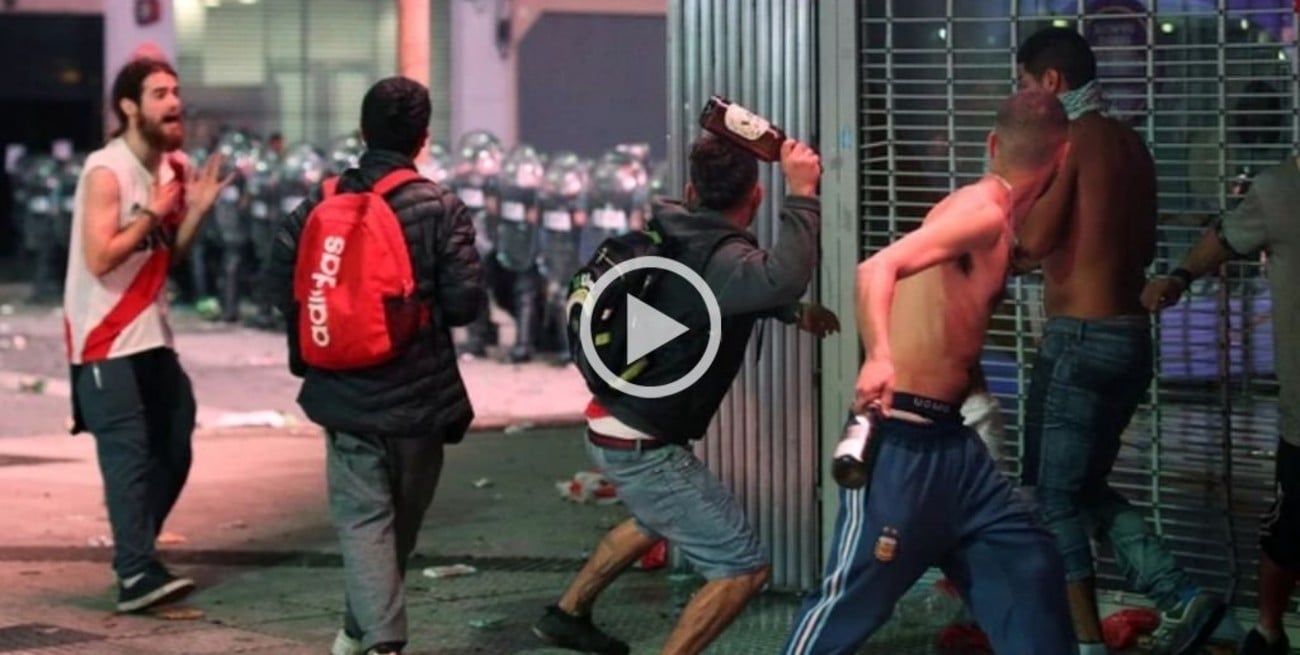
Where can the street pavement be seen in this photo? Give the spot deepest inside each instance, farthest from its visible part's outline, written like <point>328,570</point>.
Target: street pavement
<point>252,525</point>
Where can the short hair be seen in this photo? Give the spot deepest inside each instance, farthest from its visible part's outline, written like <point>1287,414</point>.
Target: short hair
<point>1060,49</point>
<point>1031,126</point>
<point>722,174</point>
<point>129,85</point>
<point>395,115</point>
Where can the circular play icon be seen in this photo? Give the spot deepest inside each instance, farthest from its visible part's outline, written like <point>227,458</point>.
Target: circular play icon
<point>649,329</point>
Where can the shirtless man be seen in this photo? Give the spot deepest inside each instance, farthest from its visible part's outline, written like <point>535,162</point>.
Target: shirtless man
<point>935,496</point>
<point>1094,233</point>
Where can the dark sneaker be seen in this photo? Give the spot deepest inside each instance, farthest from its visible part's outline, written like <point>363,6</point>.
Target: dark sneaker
<point>156,586</point>
<point>563,630</point>
<point>1187,630</point>
<point>1256,644</point>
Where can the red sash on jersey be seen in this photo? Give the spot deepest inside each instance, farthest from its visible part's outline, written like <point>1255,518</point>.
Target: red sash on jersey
<point>144,288</point>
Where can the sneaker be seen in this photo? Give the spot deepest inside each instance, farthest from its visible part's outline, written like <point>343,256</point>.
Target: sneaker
<point>346,645</point>
<point>385,649</point>
<point>156,586</point>
<point>1186,630</point>
<point>1256,644</point>
<point>563,630</point>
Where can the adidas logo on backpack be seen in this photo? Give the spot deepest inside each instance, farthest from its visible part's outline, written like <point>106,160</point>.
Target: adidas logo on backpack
<point>354,280</point>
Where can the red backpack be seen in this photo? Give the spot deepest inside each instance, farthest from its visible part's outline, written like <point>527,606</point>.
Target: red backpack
<point>353,283</point>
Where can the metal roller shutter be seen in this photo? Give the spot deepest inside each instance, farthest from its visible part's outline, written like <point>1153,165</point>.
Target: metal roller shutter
<point>1189,75</point>
<point>762,444</point>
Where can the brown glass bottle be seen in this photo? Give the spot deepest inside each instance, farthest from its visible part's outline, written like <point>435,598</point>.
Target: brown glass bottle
<point>742,127</point>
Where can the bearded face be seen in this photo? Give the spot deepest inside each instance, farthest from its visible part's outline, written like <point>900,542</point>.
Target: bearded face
<point>158,115</point>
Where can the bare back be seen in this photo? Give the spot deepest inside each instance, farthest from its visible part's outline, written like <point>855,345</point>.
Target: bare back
<point>1098,268</point>
<point>940,315</point>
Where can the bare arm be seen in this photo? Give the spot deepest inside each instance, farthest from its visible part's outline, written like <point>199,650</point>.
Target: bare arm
<point>956,227</point>
<point>1045,225</point>
<point>201,189</point>
<point>105,244</point>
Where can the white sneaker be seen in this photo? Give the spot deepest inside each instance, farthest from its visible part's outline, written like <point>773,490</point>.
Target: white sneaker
<point>345,645</point>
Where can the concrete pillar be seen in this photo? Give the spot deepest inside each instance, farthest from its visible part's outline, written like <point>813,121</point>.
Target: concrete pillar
<point>413,29</point>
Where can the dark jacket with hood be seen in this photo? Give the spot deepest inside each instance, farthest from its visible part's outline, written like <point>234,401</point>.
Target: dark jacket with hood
<point>748,282</point>
<point>420,393</point>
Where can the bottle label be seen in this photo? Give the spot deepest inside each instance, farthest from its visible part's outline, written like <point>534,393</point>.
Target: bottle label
<point>854,442</point>
<point>744,123</point>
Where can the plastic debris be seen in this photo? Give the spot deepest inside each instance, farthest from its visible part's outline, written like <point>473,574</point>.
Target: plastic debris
<point>171,538</point>
<point>588,487</point>
<point>101,541</point>
<point>656,558</point>
<point>260,419</point>
<point>453,571</point>
<point>515,428</point>
<point>1122,629</point>
<point>482,483</point>
<point>34,386</point>
<point>486,624</point>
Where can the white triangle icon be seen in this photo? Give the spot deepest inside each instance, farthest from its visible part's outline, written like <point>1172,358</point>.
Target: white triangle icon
<point>648,329</point>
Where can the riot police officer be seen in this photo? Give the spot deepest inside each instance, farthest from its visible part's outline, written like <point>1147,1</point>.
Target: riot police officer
<point>204,257</point>
<point>438,166</point>
<point>475,180</point>
<point>563,215</point>
<point>345,153</point>
<point>234,223</point>
<point>42,182</point>
<point>264,212</point>
<point>658,185</point>
<point>517,248</point>
<point>616,199</point>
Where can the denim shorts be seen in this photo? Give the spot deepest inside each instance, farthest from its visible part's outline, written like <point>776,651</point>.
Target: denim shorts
<point>673,495</point>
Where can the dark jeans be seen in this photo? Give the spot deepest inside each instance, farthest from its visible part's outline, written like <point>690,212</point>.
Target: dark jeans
<point>379,490</point>
<point>1088,380</point>
<point>936,499</point>
<point>141,410</point>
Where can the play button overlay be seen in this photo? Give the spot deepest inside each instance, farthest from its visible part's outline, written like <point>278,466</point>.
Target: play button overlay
<point>649,329</point>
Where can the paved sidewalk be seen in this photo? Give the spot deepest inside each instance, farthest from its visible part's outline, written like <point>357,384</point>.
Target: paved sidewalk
<point>256,536</point>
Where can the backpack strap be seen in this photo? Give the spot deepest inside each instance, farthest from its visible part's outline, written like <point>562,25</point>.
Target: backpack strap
<point>330,187</point>
<point>396,178</point>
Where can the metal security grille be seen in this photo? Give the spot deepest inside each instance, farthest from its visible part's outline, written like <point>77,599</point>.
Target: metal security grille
<point>762,444</point>
<point>300,68</point>
<point>1212,86</point>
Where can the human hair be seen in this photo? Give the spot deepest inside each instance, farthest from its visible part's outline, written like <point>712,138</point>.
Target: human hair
<point>129,85</point>
<point>1060,49</point>
<point>722,174</point>
<point>1031,126</point>
<point>395,115</point>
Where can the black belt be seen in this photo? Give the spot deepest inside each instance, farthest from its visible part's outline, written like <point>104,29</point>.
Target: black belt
<point>614,443</point>
<point>936,410</point>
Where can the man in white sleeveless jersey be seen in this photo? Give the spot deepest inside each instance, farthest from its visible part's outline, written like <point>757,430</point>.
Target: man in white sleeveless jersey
<point>138,207</point>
